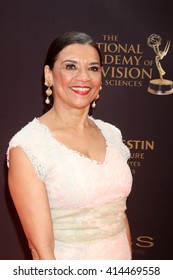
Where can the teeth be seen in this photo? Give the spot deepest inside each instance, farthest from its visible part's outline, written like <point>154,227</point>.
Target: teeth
<point>80,88</point>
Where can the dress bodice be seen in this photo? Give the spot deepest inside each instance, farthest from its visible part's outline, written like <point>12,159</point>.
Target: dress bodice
<point>82,193</point>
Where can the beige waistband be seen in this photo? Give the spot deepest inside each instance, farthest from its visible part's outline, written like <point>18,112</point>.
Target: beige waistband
<point>87,224</point>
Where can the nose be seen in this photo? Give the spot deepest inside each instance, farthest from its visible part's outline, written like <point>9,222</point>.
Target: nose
<point>83,75</point>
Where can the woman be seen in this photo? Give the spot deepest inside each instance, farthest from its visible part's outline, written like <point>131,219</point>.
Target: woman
<point>68,173</point>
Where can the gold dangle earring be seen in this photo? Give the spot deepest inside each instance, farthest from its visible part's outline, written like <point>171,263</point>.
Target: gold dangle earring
<point>48,91</point>
<point>93,105</point>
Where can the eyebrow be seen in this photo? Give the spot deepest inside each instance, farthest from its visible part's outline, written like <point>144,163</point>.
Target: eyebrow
<point>75,62</point>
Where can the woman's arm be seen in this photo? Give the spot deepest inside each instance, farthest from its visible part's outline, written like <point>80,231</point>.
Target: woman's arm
<point>30,198</point>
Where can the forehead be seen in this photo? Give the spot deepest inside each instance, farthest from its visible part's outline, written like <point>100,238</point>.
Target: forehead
<point>78,51</point>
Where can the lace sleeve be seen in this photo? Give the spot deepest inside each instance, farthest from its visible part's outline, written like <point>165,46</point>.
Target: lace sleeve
<point>39,168</point>
<point>126,151</point>
<point>114,135</point>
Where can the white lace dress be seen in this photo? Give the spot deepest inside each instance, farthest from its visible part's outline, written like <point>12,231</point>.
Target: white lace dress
<point>87,199</point>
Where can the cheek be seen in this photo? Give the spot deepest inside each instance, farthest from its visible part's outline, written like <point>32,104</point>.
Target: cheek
<point>61,79</point>
<point>98,81</point>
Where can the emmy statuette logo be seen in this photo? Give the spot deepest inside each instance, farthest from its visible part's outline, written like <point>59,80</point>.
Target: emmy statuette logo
<point>159,86</point>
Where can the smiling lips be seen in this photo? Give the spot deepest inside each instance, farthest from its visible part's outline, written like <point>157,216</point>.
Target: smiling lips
<point>81,90</point>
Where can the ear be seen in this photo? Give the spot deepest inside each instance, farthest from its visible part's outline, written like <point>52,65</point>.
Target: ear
<point>47,73</point>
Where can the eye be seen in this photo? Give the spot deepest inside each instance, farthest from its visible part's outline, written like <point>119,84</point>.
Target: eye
<point>94,68</point>
<point>70,66</point>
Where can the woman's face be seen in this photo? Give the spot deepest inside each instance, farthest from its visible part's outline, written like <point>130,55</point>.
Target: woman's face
<point>76,76</point>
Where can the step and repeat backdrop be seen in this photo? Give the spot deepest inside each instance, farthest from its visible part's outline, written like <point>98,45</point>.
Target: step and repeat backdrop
<point>136,42</point>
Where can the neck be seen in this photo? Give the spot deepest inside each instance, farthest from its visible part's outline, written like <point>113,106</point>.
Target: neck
<point>74,118</point>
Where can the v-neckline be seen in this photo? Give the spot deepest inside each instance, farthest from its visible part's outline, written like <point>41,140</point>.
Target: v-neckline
<point>81,155</point>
